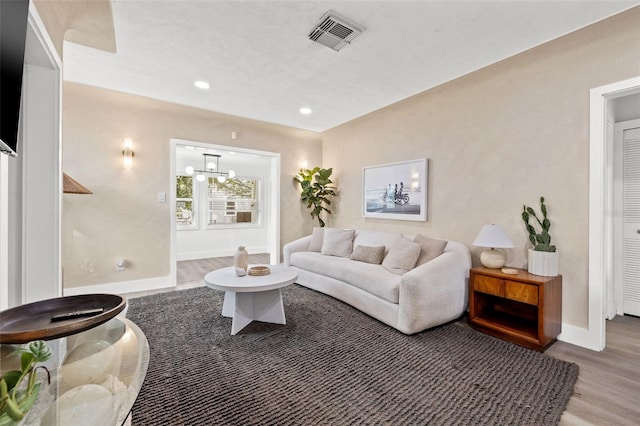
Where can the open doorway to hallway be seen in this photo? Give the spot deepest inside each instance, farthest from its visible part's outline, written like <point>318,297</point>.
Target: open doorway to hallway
<point>223,197</point>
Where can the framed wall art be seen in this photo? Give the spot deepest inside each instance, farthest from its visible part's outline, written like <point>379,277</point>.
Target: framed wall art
<point>396,191</point>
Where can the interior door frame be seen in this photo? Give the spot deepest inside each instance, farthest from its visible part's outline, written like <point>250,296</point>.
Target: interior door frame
<point>600,217</point>
<point>617,291</point>
<point>272,221</point>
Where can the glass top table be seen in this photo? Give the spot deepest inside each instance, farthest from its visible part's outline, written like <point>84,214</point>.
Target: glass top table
<point>96,376</point>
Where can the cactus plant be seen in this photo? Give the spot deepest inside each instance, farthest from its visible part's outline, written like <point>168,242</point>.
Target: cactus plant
<point>541,241</point>
<point>316,190</point>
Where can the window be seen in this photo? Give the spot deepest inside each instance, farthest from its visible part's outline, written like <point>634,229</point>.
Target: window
<point>233,201</point>
<point>185,203</point>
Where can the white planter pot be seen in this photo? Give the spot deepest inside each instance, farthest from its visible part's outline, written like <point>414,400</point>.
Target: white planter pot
<point>543,263</point>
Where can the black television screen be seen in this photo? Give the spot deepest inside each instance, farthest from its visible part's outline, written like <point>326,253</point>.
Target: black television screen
<point>13,33</point>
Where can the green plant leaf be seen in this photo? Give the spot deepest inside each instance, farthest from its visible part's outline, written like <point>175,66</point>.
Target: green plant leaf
<point>40,350</point>
<point>11,378</point>
<point>27,360</point>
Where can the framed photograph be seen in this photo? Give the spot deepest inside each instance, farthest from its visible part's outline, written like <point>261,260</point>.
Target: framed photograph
<point>396,191</point>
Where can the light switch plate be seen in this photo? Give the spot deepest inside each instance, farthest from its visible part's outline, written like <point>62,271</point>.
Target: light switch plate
<point>162,197</point>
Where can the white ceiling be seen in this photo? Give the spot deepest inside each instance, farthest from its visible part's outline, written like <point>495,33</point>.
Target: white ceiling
<point>261,65</point>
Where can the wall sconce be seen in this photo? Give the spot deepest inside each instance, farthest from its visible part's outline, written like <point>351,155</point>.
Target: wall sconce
<point>127,154</point>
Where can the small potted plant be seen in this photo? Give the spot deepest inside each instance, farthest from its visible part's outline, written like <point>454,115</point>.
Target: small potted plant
<point>543,258</point>
<point>17,397</point>
<point>316,190</point>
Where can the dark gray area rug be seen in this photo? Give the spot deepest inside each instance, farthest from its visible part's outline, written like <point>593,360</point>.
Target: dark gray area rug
<point>333,365</point>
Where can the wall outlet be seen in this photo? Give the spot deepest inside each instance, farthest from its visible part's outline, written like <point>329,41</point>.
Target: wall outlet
<point>120,265</point>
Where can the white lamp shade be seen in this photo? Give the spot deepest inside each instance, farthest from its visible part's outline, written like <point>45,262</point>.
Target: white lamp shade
<point>493,236</point>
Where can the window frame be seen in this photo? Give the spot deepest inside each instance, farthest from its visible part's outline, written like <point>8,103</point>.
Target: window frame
<point>257,211</point>
<point>194,204</point>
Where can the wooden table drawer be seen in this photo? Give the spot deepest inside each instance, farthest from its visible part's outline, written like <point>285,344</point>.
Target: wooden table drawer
<point>488,285</point>
<point>520,292</point>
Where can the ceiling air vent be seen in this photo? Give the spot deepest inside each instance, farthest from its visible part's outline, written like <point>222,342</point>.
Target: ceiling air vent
<point>335,31</point>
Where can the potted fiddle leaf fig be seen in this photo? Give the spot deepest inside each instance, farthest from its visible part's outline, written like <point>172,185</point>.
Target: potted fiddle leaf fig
<point>543,258</point>
<point>16,396</point>
<point>316,190</point>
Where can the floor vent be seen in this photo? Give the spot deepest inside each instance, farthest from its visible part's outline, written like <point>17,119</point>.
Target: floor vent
<point>335,31</point>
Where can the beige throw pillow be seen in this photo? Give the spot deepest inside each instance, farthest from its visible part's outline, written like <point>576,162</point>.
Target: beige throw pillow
<point>431,248</point>
<point>368,254</point>
<point>402,256</point>
<point>316,239</point>
<point>337,242</point>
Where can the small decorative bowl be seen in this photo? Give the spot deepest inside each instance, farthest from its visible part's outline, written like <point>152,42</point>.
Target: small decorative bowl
<point>259,270</point>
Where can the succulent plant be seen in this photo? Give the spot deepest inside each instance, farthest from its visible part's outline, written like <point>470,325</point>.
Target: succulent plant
<point>316,190</point>
<point>541,241</point>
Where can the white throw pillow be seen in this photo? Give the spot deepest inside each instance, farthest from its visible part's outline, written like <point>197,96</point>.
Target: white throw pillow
<point>402,256</point>
<point>316,239</point>
<point>337,242</point>
<point>431,248</point>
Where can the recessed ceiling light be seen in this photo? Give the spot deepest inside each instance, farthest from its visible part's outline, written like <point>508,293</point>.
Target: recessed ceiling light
<point>202,85</point>
<point>305,111</point>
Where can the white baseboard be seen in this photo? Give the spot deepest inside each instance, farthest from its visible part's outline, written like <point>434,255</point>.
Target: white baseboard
<point>122,287</point>
<point>207,254</point>
<point>578,336</point>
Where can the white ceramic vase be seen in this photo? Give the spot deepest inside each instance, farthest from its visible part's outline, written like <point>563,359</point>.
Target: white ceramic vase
<point>241,261</point>
<point>543,263</point>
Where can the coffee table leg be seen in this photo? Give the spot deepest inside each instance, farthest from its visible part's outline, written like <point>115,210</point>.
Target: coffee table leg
<point>243,312</point>
<point>229,304</point>
<point>265,306</point>
<point>268,307</point>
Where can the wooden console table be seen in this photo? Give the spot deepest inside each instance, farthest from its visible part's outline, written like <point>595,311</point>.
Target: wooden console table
<point>525,309</point>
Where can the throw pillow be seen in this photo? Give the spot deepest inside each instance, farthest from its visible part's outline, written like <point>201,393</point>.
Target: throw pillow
<point>431,248</point>
<point>337,242</point>
<point>402,256</point>
<point>316,239</point>
<point>368,254</point>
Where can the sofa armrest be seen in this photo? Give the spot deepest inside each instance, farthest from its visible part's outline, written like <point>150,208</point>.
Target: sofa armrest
<point>433,293</point>
<point>301,244</point>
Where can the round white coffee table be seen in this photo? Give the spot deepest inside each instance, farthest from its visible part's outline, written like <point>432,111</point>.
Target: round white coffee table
<point>252,298</point>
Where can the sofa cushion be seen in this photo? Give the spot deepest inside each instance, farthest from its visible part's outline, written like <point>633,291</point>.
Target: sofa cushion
<point>337,242</point>
<point>402,256</point>
<point>316,239</point>
<point>430,248</point>
<point>371,278</point>
<point>368,254</point>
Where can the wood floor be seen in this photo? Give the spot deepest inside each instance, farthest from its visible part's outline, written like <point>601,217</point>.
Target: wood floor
<point>608,388</point>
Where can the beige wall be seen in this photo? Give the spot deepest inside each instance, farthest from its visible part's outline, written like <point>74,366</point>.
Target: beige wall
<point>498,138</point>
<point>122,218</point>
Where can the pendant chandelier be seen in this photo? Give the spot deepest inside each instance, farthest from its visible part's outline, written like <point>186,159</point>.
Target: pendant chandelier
<point>211,167</point>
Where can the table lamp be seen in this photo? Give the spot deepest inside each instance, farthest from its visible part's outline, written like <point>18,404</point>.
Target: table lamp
<point>493,236</point>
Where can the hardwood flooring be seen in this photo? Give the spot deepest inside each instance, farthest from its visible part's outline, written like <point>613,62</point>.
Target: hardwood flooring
<point>608,387</point>
<point>607,392</point>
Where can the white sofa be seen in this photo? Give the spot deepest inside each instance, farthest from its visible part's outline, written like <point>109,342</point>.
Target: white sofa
<point>426,296</point>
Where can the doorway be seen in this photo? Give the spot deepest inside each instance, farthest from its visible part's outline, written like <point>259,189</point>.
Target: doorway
<point>625,297</point>
<point>215,233</point>
<point>601,220</point>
